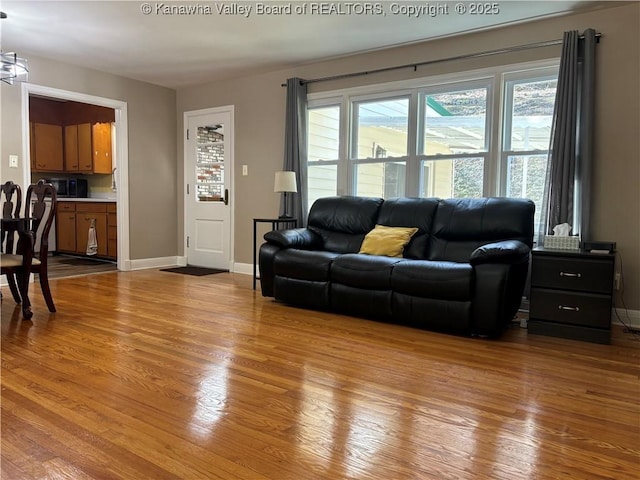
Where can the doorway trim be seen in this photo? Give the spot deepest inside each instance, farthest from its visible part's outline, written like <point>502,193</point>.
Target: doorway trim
<point>122,154</point>
<point>186,116</point>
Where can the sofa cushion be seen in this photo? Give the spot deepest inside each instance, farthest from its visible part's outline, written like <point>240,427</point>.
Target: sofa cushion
<point>462,225</point>
<point>363,271</point>
<point>433,279</point>
<point>411,212</point>
<point>387,241</point>
<point>311,265</point>
<point>342,222</point>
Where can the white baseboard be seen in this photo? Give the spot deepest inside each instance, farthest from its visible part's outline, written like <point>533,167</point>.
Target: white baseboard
<point>160,262</point>
<point>244,268</point>
<point>157,262</point>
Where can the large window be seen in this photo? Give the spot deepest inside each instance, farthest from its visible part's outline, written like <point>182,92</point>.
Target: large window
<point>486,135</point>
<point>528,108</point>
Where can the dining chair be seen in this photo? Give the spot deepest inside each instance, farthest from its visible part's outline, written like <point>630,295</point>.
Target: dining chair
<point>10,209</point>
<point>41,217</point>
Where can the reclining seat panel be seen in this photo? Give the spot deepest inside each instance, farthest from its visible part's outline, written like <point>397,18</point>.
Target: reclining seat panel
<point>361,284</point>
<point>302,277</point>
<point>462,225</point>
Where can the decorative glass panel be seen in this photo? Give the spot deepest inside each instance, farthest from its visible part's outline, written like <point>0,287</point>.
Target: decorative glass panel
<point>210,163</point>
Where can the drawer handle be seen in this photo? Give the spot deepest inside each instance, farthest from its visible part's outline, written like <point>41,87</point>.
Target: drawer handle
<point>571,309</point>
<point>569,274</point>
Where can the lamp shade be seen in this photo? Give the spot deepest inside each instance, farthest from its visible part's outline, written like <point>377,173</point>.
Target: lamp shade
<point>285,182</point>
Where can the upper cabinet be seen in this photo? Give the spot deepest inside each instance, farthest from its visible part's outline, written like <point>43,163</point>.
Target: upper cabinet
<point>46,148</point>
<point>101,152</point>
<point>82,148</point>
<point>87,148</point>
<point>70,137</point>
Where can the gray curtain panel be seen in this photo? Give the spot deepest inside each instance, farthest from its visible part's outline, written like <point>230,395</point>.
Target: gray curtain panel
<point>295,153</point>
<point>568,182</point>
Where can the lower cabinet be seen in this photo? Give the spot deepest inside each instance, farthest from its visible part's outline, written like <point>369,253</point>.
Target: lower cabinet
<point>73,221</point>
<point>66,227</point>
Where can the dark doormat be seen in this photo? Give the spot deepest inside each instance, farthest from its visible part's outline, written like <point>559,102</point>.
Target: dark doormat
<point>196,271</point>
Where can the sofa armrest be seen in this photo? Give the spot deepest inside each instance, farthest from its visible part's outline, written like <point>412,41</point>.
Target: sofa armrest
<point>301,238</point>
<point>506,251</point>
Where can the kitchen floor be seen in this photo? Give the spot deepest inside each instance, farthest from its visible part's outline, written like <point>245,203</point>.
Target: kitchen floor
<point>60,266</point>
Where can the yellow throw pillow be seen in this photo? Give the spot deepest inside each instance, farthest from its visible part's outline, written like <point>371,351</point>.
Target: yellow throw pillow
<point>387,241</point>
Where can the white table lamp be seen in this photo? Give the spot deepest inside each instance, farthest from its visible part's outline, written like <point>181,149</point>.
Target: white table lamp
<point>285,183</point>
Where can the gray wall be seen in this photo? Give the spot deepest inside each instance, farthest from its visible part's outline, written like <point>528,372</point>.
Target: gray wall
<point>259,102</point>
<point>156,113</point>
<point>152,146</point>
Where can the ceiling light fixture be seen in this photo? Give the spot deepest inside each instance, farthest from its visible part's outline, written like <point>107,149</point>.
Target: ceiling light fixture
<point>13,68</point>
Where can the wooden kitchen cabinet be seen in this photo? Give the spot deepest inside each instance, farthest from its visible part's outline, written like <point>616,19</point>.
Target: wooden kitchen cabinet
<point>46,148</point>
<point>112,230</point>
<point>66,227</point>
<point>85,214</point>
<point>88,148</point>
<point>73,220</point>
<point>101,153</point>
<point>78,148</point>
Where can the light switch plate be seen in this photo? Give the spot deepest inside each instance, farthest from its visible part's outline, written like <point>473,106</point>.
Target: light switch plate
<point>13,161</point>
<point>245,170</point>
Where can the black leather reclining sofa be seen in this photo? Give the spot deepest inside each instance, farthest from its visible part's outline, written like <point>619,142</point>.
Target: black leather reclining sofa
<point>462,272</point>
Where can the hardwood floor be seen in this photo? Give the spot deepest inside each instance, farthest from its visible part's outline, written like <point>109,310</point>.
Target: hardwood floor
<point>154,375</point>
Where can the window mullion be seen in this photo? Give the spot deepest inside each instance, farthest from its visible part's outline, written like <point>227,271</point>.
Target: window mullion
<point>344,167</point>
<point>412,179</point>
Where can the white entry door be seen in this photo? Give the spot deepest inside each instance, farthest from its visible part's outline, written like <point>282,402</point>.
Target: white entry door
<point>208,170</point>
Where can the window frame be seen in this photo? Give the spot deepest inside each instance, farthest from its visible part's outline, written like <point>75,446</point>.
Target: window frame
<point>495,155</point>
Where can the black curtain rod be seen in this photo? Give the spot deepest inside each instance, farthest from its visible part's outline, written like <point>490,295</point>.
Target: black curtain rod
<point>442,60</point>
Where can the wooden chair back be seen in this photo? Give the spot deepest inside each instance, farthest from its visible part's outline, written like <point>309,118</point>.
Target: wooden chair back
<point>41,215</point>
<point>10,208</point>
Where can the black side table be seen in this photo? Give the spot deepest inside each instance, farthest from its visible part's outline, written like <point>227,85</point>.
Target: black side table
<point>276,224</point>
<point>571,294</point>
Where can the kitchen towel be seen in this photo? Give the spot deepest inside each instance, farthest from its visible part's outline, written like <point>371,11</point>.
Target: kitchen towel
<point>92,240</point>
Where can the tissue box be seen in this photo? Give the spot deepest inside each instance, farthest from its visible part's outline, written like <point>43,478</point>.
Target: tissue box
<point>561,243</point>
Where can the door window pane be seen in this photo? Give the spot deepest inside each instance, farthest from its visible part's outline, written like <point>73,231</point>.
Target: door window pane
<point>381,128</point>
<point>454,178</point>
<point>455,122</point>
<point>209,163</point>
<point>386,179</point>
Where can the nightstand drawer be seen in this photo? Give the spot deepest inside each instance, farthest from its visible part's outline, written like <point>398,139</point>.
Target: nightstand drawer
<point>583,274</point>
<point>571,308</point>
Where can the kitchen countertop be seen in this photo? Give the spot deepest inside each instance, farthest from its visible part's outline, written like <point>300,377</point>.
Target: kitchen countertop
<point>91,199</point>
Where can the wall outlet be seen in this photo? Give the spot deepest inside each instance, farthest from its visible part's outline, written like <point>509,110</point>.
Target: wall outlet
<point>616,281</point>
<point>13,161</point>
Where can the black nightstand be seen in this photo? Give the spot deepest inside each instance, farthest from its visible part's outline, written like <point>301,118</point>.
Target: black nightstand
<point>571,294</point>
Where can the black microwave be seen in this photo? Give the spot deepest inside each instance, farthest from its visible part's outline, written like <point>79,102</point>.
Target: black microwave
<point>70,187</point>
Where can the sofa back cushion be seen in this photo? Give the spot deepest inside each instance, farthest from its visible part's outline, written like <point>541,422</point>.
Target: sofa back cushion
<point>342,222</point>
<point>462,225</point>
<point>411,212</point>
